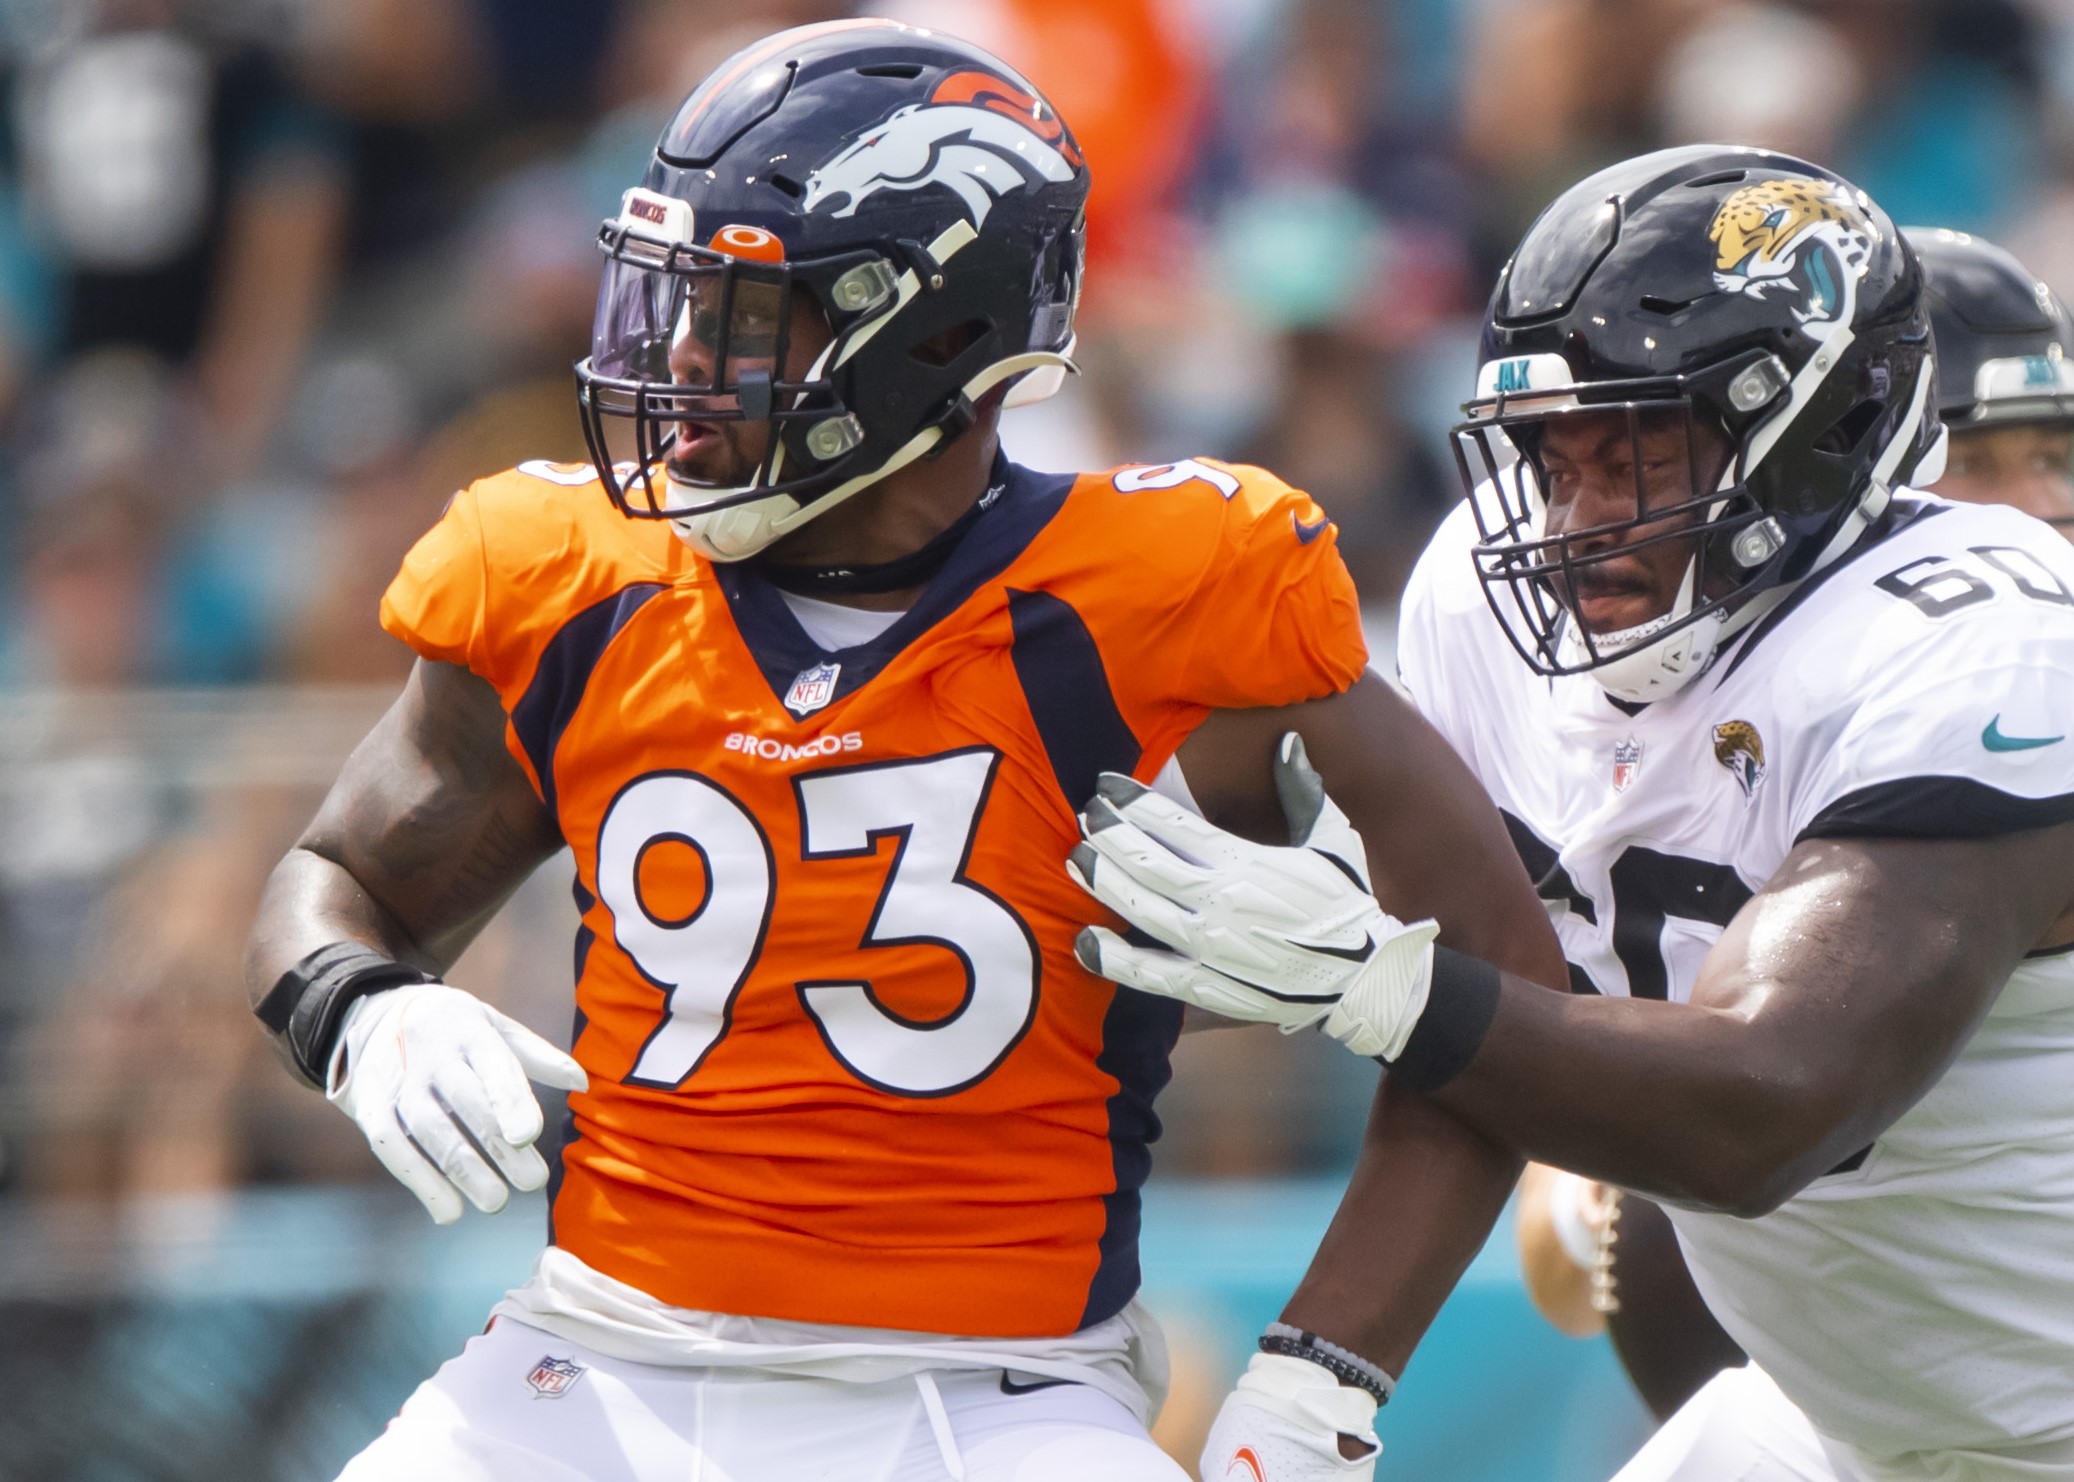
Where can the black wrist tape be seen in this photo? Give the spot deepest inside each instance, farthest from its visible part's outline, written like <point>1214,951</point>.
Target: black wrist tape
<point>1459,1008</point>
<point>308,1002</point>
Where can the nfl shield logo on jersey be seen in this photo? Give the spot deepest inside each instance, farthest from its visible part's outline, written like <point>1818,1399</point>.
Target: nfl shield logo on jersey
<point>1627,761</point>
<point>814,688</point>
<point>551,1377</point>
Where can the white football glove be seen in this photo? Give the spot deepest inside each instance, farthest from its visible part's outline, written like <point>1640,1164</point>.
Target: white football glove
<point>1282,1423</point>
<point>436,1079</point>
<point>1288,936</point>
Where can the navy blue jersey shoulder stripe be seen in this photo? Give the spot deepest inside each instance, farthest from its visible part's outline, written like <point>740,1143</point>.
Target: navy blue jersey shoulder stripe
<point>1067,687</point>
<point>1138,1036</point>
<point>1024,502</point>
<point>1936,808</point>
<point>543,712</point>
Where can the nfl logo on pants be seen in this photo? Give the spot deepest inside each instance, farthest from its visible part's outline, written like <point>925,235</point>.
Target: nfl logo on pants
<point>551,1377</point>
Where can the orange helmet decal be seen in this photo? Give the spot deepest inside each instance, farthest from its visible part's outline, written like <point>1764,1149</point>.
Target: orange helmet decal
<point>989,91</point>
<point>751,242</point>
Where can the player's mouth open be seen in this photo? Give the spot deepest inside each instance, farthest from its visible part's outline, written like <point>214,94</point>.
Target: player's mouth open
<point>698,453</point>
<point>692,436</point>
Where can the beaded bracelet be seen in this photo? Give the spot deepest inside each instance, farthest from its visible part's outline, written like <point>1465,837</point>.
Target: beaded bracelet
<point>1346,1366</point>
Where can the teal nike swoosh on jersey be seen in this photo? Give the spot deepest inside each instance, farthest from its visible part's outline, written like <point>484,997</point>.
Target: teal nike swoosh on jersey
<point>1993,739</point>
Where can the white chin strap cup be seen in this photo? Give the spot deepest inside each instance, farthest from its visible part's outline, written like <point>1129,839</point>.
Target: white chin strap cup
<point>1645,667</point>
<point>737,532</point>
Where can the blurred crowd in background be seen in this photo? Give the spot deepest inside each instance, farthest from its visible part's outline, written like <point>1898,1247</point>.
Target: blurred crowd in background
<point>277,276</point>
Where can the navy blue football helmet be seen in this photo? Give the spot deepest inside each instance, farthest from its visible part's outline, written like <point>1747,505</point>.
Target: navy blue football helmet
<point>919,192</point>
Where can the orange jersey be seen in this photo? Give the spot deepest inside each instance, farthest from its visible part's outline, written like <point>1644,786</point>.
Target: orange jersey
<point>843,1065</point>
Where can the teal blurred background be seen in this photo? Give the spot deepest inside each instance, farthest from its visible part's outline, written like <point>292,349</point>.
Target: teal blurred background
<point>270,1335</point>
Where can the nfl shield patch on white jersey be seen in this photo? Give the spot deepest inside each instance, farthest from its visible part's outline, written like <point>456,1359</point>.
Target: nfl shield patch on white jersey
<point>552,1377</point>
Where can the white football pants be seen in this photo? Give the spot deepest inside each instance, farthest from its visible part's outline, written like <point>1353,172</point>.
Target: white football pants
<point>500,1412</point>
<point>1738,1428</point>
<point>1741,1428</point>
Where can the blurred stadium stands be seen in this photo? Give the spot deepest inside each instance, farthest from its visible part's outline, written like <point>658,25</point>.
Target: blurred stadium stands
<point>276,276</point>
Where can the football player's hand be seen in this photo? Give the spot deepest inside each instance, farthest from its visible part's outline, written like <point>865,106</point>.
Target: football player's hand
<point>1293,1422</point>
<point>436,1079</point>
<point>1288,936</point>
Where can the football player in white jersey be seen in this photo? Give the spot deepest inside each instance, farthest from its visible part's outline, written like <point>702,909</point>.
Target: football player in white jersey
<point>1596,1259</point>
<point>2005,382</point>
<point>1790,750</point>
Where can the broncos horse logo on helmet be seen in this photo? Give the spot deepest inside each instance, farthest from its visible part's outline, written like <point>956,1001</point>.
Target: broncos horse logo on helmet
<point>972,126</point>
<point>1759,229</point>
<point>915,198</point>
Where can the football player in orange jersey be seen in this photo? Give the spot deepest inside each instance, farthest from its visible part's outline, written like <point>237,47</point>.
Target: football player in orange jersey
<point>811,681</point>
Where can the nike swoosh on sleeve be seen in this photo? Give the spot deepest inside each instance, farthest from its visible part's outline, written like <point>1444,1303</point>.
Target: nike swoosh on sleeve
<point>1993,739</point>
<point>1305,534</point>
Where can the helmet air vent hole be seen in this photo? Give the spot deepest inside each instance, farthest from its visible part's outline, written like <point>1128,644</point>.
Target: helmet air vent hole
<point>1652,304</point>
<point>1851,429</point>
<point>907,71</point>
<point>942,349</point>
<point>1721,177</point>
<point>788,185</point>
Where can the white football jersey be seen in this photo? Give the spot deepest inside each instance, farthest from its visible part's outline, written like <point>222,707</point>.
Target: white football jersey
<point>1922,1296</point>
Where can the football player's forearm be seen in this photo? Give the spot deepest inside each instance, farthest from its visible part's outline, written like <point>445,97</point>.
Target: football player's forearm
<point>1731,1118</point>
<point>311,902</point>
<point>429,829</point>
<point>1424,1193</point>
<point>1835,998</point>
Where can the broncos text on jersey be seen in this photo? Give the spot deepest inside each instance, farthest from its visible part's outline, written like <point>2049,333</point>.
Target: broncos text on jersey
<point>844,1067</point>
<point>1921,1297</point>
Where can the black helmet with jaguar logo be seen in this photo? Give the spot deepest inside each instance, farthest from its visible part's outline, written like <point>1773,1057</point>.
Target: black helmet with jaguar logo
<point>1757,296</point>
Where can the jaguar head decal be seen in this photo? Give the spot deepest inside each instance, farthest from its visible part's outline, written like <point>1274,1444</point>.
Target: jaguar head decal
<point>1793,237</point>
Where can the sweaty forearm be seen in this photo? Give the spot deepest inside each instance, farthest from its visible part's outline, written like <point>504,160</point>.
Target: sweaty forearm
<point>1691,1105</point>
<point>1831,1003</point>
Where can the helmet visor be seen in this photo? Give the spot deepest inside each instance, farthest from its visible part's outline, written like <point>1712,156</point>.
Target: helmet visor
<point>712,336</point>
<point>693,340</point>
